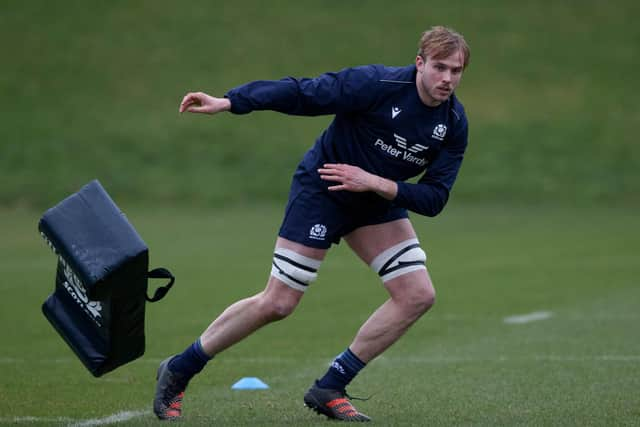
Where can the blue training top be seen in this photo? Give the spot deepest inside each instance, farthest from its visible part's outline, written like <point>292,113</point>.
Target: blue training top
<point>380,125</point>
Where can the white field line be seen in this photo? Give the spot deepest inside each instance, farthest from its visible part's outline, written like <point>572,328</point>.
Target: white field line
<point>111,419</point>
<point>573,317</point>
<point>527,318</point>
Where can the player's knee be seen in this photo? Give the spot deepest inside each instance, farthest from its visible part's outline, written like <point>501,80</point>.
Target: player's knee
<point>414,293</point>
<point>276,305</point>
<point>416,301</point>
<point>278,310</point>
<point>294,270</point>
<point>281,311</point>
<point>402,268</point>
<point>424,298</point>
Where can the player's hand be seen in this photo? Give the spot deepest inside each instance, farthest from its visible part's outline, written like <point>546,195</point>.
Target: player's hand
<point>353,178</point>
<point>348,177</point>
<point>200,102</point>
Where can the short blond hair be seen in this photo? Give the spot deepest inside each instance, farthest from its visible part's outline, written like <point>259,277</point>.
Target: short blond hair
<point>440,42</point>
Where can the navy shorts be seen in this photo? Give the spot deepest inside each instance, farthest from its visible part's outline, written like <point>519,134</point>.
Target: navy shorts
<point>317,218</point>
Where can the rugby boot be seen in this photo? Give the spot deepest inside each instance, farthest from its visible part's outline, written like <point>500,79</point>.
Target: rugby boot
<point>334,404</point>
<point>167,405</point>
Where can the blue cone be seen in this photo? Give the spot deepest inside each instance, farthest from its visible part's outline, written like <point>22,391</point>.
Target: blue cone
<point>249,383</point>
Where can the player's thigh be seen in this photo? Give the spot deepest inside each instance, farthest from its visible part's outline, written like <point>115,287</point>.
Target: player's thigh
<point>301,249</point>
<point>371,240</point>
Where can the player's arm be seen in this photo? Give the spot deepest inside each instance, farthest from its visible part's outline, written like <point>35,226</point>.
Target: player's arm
<point>330,93</point>
<point>431,193</point>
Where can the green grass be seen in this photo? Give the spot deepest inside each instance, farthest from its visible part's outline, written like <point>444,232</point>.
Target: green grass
<point>91,89</point>
<point>460,365</point>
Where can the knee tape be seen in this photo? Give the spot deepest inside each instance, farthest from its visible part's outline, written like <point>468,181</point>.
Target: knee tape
<point>400,259</point>
<point>295,270</point>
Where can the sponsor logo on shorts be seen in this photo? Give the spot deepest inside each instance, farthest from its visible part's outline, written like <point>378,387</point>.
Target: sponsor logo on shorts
<point>318,232</point>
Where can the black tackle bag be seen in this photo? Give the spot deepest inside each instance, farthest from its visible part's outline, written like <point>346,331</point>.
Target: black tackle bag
<point>98,305</point>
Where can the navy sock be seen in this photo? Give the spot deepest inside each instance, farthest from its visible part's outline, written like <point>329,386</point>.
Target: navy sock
<point>343,369</point>
<point>191,361</point>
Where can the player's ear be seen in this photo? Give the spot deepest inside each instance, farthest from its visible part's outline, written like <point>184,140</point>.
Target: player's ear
<point>420,63</point>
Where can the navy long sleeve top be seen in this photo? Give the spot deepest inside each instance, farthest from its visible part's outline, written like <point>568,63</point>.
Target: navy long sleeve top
<point>380,125</point>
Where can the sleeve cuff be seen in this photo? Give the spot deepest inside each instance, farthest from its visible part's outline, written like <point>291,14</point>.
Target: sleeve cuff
<point>237,106</point>
<point>401,193</point>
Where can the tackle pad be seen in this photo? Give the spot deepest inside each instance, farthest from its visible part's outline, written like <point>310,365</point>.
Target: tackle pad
<point>101,281</point>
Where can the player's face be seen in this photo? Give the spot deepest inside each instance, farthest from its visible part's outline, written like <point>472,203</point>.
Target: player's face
<point>438,78</point>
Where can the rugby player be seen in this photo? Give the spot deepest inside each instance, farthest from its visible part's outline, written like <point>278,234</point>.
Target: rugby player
<point>390,124</point>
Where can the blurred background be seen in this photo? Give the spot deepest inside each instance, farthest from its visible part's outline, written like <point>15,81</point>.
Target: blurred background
<point>91,90</point>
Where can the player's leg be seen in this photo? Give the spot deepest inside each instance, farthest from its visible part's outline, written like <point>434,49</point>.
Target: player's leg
<point>276,302</point>
<point>392,249</point>
<point>294,268</point>
<point>394,252</point>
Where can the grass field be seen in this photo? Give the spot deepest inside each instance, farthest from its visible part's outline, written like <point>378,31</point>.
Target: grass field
<point>460,365</point>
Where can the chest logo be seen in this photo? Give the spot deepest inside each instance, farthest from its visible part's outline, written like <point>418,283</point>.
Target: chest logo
<point>439,132</point>
<point>402,143</point>
<point>403,150</point>
<point>395,111</point>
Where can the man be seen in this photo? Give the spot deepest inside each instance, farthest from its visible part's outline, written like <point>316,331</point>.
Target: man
<point>391,123</point>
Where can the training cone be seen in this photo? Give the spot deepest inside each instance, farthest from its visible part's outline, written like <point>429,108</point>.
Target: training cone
<point>249,383</point>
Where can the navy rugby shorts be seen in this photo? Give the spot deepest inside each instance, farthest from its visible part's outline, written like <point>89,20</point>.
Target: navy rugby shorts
<point>316,217</point>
